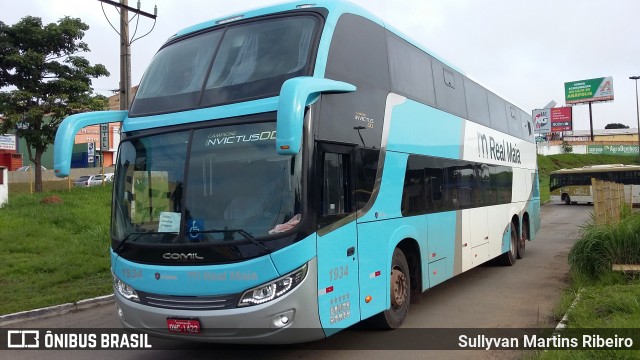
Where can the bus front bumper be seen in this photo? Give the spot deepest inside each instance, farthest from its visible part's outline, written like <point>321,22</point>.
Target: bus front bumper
<point>292,318</point>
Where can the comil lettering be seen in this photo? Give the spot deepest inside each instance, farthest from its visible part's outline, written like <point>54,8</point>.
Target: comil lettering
<point>182,256</point>
<point>488,147</point>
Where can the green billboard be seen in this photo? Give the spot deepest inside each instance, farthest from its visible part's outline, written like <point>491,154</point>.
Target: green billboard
<point>591,90</point>
<point>613,149</point>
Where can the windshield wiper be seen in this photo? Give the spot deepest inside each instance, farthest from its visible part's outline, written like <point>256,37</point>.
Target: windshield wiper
<point>129,236</point>
<point>244,234</point>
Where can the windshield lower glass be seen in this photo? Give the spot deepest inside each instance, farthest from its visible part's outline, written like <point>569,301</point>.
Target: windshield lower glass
<point>232,63</point>
<point>217,185</point>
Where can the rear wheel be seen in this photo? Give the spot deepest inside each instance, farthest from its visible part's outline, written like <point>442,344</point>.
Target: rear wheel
<point>393,317</point>
<point>524,237</point>
<point>567,199</point>
<point>509,258</point>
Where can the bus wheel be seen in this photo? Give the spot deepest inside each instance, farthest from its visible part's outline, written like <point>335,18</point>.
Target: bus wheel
<point>567,200</point>
<point>509,258</point>
<point>522,243</point>
<point>393,317</point>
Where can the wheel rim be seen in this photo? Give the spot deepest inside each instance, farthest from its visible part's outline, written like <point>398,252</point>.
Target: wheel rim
<point>399,291</point>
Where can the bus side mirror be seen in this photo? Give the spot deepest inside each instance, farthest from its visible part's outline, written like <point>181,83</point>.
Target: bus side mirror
<point>295,95</point>
<point>65,136</point>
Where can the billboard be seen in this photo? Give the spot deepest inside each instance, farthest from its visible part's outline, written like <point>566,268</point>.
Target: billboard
<point>7,142</point>
<point>561,119</point>
<point>631,150</point>
<point>591,90</point>
<point>552,120</point>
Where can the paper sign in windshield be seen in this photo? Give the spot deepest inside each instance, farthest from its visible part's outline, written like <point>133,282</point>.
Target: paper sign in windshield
<point>169,222</point>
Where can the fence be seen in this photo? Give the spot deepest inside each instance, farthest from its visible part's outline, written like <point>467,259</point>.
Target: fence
<point>49,175</point>
<point>608,199</point>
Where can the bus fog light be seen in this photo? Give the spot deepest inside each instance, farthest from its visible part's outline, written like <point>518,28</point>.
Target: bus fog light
<point>283,319</point>
<point>273,290</point>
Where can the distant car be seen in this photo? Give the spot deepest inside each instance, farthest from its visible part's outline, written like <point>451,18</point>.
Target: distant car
<point>84,181</point>
<point>100,178</point>
<point>93,180</point>
<point>27,167</point>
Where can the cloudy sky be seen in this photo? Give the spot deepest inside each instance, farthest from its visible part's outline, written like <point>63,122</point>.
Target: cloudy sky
<point>523,50</point>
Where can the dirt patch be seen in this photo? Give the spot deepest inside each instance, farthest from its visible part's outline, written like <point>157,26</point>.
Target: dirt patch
<point>52,200</point>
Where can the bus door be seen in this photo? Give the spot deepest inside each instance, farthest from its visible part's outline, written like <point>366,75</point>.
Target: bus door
<point>338,291</point>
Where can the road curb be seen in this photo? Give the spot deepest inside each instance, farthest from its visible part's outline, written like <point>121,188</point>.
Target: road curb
<point>54,310</point>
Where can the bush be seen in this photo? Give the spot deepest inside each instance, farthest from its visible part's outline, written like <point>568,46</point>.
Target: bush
<point>604,245</point>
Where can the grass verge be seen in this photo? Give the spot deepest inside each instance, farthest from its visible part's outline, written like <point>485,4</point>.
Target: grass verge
<point>607,299</point>
<point>54,253</point>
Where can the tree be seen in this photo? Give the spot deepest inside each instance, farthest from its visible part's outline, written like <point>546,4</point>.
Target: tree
<point>44,81</point>
<point>616,126</point>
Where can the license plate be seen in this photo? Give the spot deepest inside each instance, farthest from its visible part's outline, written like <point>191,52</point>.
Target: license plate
<point>185,326</point>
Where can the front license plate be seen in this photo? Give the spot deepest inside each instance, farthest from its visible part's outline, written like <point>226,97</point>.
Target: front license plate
<point>185,326</point>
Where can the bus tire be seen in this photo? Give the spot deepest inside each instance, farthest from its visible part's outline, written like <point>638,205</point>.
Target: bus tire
<point>509,258</point>
<point>400,290</point>
<point>524,237</point>
<point>567,200</point>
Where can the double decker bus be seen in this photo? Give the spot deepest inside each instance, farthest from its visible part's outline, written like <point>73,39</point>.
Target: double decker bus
<point>287,172</point>
<point>574,185</point>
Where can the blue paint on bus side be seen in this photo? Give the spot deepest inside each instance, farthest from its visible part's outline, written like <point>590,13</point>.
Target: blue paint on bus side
<point>292,257</point>
<point>338,288</point>
<point>442,243</point>
<point>376,242</point>
<point>198,115</point>
<point>387,204</point>
<point>506,239</point>
<point>421,129</point>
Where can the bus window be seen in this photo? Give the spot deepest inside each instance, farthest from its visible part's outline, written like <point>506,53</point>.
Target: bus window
<point>336,186</point>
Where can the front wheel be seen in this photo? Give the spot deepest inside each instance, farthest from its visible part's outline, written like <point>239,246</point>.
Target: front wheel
<point>393,317</point>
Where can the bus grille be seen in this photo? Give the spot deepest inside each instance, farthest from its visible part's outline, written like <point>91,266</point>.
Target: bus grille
<point>219,302</point>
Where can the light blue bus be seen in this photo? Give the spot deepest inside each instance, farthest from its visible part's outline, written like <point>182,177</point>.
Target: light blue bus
<point>290,171</point>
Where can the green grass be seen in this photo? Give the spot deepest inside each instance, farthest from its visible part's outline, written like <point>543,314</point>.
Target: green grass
<point>54,253</point>
<point>605,299</point>
<point>602,306</point>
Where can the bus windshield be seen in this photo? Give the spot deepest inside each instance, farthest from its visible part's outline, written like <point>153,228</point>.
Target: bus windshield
<point>229,64</point>
<point>205,186</point>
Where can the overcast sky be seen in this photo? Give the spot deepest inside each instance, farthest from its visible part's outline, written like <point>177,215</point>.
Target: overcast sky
<point>523,50</point>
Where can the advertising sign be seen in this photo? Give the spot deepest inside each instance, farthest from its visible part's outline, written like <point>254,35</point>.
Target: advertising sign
<point>104,137</point>
<point>7,142</point>
<point>613,149</point>
<point>586,91</point>
<point>552,120</point>
<point>541,121</point>
<point>561,119</point>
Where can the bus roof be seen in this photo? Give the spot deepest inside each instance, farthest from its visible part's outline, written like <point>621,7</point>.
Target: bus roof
<point>335,8</point>
<point>598,168</point>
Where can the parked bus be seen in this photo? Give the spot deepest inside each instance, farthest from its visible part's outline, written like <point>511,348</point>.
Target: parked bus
<point>574,185</point>
<point>306,167</point>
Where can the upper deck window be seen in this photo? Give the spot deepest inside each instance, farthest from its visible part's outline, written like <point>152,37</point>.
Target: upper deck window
<point>239,62</point>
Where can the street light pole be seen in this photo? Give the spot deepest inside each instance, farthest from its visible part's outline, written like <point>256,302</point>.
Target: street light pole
<point>637,109</point>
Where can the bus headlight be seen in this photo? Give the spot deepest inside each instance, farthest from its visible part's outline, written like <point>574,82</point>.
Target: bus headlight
<point>124,290</point>
<point>274,289</point>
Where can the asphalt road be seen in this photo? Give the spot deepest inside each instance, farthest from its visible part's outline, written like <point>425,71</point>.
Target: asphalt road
<point>488,297</point>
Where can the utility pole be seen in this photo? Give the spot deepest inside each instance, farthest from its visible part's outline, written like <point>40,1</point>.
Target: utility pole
<point>125,57</point>
<point>125,46</point>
